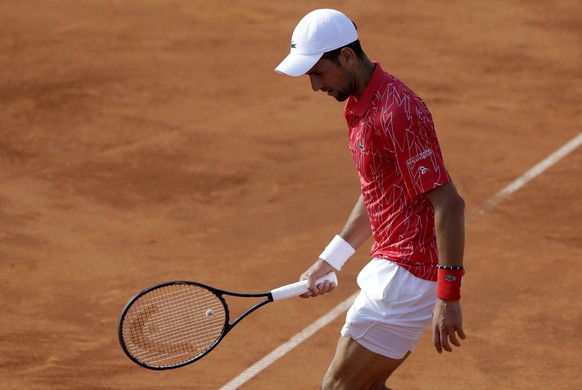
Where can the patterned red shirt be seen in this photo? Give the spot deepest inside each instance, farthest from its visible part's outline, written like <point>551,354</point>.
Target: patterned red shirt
<point>397,155</point>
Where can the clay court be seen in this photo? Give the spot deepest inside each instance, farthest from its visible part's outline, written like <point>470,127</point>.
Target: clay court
<point>149,141</point>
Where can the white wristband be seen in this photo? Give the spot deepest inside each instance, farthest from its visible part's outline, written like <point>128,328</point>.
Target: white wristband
<point>337,252</point>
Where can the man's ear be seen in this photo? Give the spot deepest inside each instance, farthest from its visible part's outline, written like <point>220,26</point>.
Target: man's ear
<point>347,56</point>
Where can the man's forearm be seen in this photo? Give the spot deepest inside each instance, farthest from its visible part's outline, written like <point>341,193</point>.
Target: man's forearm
<point>449,222</point>
<point>357,228</point>
<point>450,234</point>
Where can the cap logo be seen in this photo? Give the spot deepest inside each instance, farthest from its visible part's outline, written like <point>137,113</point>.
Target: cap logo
<point>293,45</point>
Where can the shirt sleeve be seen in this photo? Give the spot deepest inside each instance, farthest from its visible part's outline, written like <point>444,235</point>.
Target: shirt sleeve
<point>409,135</point>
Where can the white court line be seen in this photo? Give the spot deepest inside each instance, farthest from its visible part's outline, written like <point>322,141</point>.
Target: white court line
<point>289,345</point>
<point>300,337</point>
<point>521,181</point>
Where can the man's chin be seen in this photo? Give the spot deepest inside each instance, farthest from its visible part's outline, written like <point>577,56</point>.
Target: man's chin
<point>339,96</point>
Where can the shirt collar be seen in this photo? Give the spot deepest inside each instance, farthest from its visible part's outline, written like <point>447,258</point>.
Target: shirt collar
<point>359,107</point>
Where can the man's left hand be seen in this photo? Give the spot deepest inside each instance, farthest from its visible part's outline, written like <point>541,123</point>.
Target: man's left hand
<point>447,324</point>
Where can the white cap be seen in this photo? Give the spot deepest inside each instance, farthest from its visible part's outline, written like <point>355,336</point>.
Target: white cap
<point>318,32</point>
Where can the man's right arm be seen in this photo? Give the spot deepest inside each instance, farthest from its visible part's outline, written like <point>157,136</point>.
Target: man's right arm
<point>357,229</point>
<point>355,232</point>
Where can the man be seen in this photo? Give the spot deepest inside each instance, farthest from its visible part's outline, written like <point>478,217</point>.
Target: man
<point>408,203</point>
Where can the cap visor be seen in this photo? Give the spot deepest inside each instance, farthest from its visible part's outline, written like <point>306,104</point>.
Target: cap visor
<point>297,65</point>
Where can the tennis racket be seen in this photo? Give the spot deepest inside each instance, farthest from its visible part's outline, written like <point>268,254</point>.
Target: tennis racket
<point>176,323</point>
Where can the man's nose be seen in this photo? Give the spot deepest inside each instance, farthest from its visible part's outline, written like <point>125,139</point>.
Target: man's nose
<point>315,83</point>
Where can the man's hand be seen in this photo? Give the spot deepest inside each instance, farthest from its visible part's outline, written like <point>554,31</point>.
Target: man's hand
<point>317,270</point>
<point>447,323</point>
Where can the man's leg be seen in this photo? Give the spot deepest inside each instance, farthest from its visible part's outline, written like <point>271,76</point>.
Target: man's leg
<point>356,368</point>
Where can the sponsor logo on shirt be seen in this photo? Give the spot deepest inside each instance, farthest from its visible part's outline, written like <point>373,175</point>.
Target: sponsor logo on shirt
<point>421,156</point>
<point>360,146</point>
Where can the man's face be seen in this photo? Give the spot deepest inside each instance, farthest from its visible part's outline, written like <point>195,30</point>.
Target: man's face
<point>334,79</point>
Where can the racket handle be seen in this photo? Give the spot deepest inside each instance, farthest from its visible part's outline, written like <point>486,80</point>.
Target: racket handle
<point>296,289</point>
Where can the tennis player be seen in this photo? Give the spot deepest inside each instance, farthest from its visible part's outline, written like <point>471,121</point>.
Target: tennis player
<point>408,204</point>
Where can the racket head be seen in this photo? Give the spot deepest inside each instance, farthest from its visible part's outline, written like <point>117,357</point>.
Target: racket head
<point>172,324</point>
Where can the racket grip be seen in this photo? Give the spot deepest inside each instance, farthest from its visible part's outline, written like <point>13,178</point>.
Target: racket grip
<point>296,289</point>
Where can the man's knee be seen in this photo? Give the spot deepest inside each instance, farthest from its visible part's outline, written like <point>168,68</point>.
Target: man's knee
<point>355,367</point>
<point>347,382</point>
<point>330,382</point>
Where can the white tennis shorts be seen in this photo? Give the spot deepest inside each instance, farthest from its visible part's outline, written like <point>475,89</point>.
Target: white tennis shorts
<point>392,310</point>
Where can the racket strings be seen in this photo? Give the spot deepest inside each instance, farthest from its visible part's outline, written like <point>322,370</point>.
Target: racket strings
<point>173,324</point>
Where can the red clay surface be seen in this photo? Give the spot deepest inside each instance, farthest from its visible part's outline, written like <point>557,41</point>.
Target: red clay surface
<point>149,141</point>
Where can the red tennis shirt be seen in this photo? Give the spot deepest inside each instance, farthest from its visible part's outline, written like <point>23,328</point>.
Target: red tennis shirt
<point>397,155</point>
